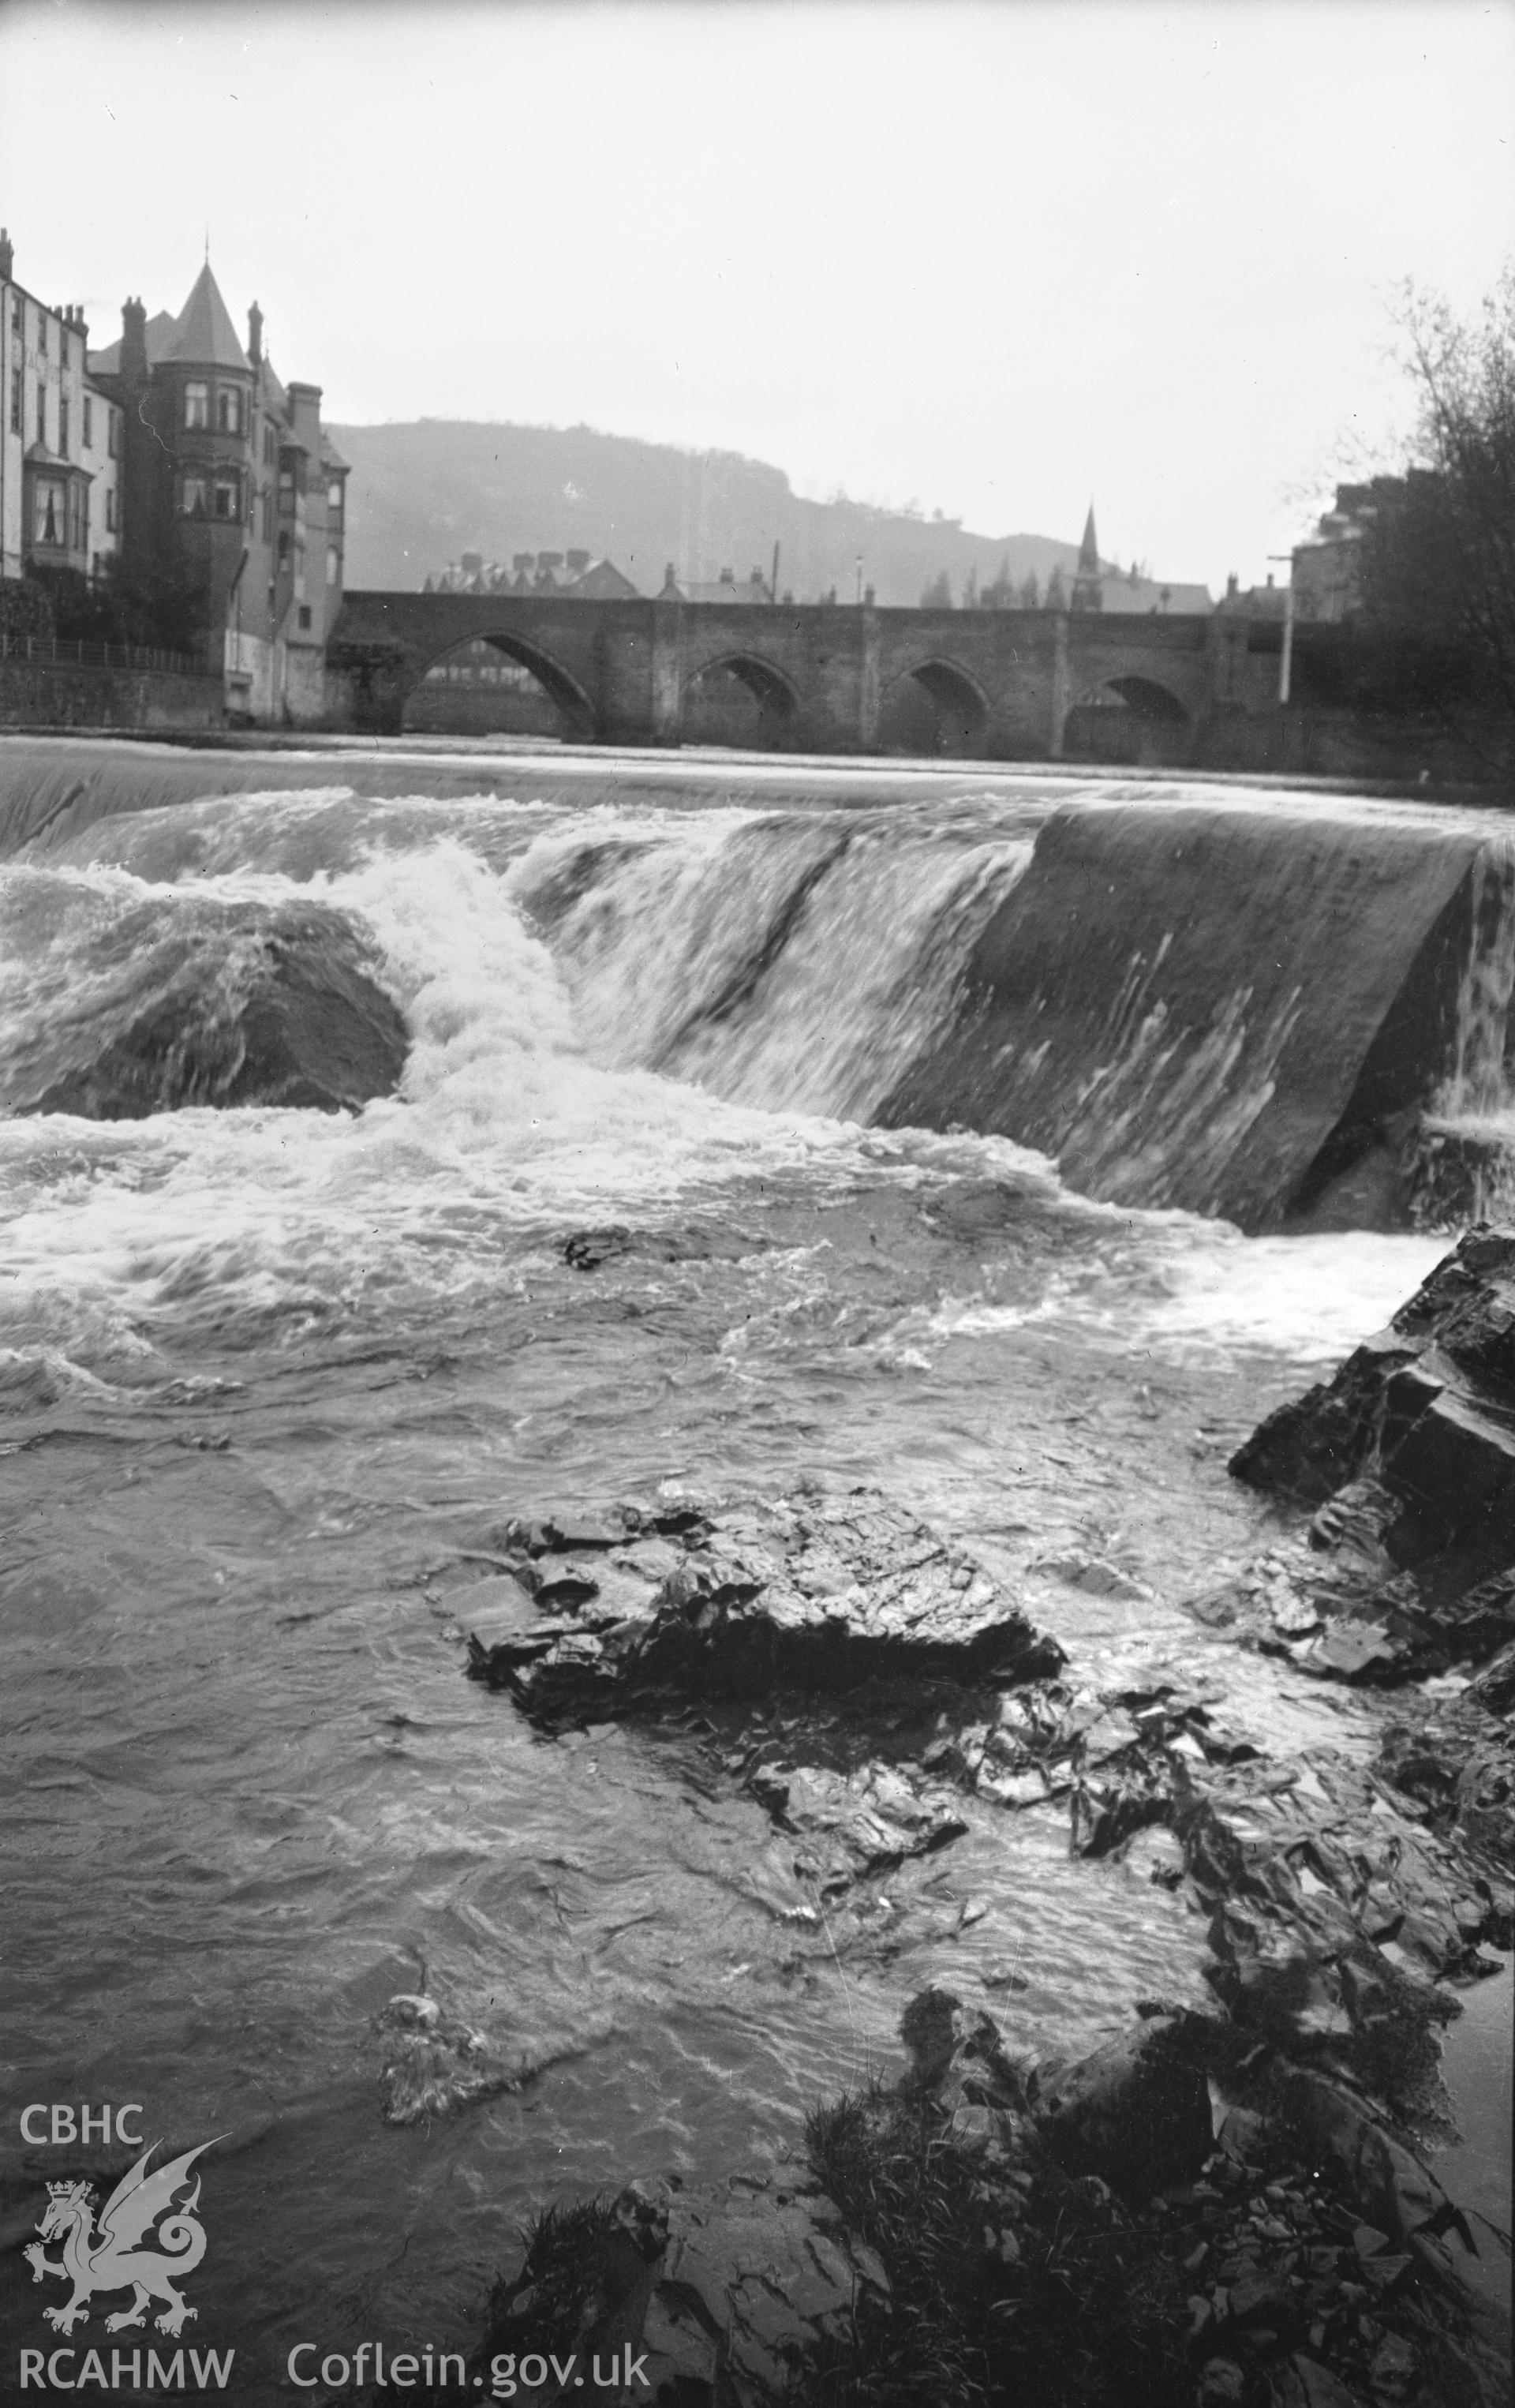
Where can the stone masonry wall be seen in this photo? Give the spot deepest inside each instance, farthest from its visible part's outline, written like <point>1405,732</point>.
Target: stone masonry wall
<point>57,693</point>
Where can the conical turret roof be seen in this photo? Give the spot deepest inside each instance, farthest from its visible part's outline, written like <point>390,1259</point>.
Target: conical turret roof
<point>205,336</point>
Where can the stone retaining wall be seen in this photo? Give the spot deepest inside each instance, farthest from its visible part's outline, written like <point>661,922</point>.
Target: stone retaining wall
<point>67,694</point>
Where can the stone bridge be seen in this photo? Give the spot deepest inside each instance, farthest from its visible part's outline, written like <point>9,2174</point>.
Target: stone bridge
<point>993,684</point>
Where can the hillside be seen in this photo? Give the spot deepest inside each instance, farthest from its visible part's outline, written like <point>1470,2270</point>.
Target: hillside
<point>423,493</point>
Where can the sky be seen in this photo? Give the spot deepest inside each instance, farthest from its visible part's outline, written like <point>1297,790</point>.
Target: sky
<point>998,259</point>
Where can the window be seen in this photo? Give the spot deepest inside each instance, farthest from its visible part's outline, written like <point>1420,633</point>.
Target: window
<point>77,531</point>
<point>63,351</point>
<point>14,401</point>
<point>283,547</point>
<point>267,517</point>
<point>89,422</point>
<point>228,498</point>
<point>228,409</point>
<point>63,426</point>
<point>270,448</point>
<point>334,564</point>
<point>334,494</point>
<point>16,319</point>
<point>305,614</point>
<point>42,414</point>
<point>112,432</point>
<point>51,522</point>
<point>192,502</point>
<point>110,510</point>
<point>41,333</point>
<point>197,405</point>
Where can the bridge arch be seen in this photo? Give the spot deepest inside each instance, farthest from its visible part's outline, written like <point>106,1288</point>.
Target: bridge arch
<point>1147,699</point>
<point>934,705</point>
<point>739,699</point>
<point>575,712</point>
<point>1132,721</point>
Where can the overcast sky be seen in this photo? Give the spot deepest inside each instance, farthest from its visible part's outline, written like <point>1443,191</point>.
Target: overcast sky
<point>994,259</point>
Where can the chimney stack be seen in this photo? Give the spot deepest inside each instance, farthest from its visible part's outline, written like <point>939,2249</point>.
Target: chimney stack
<point>133,342</point>
<point>7,257</point>
<point>255,334</point>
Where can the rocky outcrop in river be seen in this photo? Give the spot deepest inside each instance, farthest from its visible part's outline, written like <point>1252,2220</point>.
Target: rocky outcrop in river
<point>1408,1455</point>
<point>192,1000</point>
<point>1232,2206</point>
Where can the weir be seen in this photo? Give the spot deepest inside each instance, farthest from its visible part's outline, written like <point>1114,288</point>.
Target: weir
<point>1226,1006</point>
<point>1287,1010</point>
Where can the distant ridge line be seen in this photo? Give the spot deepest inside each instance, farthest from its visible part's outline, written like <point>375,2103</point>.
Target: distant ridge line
<point>425,490</point>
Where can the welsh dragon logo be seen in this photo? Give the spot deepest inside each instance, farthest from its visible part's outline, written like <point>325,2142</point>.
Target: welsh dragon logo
<point>111,2258</point>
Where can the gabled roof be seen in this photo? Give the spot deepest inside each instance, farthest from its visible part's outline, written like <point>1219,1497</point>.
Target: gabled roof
<point>158,334</point>
<point>205,336</point>
<point>330,457</point>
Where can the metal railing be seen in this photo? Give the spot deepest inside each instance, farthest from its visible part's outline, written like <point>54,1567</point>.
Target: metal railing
<point>63,652</point>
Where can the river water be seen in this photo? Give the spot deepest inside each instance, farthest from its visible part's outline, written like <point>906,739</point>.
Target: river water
<point>270,1380</point>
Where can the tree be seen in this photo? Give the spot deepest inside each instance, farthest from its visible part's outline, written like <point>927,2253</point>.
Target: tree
<point>1438,561</point>
<point>938,594</point>
<point>1030,593</point>
<point>127,605</point>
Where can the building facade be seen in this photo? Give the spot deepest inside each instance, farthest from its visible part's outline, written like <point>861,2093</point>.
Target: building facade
<point>231,491</point>
<point>59,439</point>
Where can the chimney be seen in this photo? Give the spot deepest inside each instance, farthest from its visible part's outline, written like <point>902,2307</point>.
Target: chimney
<point>7,257</point>
<point>133,342</point>
<point>255,335</point>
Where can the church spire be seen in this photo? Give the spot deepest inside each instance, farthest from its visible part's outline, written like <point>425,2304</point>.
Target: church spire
<point>1087,594</point>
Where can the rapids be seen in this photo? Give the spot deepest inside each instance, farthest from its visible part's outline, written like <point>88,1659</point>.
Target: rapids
<point>270,1377</point>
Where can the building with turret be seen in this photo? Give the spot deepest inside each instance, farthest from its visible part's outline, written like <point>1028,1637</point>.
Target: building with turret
<point>231,491</point>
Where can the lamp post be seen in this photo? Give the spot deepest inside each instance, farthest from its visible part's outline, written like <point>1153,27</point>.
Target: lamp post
<point>1286,657</point>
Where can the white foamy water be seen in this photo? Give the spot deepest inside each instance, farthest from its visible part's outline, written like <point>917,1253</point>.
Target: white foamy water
<point>1200,1288</point>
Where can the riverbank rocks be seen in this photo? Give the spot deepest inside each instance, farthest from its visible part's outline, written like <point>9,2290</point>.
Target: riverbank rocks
<point>1188,2215</point>
<point>1407,1457</point>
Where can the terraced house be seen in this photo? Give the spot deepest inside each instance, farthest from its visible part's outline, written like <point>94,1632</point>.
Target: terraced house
<point>232,489</point>
<point>59,439</point>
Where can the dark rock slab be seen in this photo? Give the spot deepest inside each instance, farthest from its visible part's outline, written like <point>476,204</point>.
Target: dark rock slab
<point>825,1594</point>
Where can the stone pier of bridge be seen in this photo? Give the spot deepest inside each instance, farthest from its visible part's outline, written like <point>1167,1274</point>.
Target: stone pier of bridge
<point>1000,685</point>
